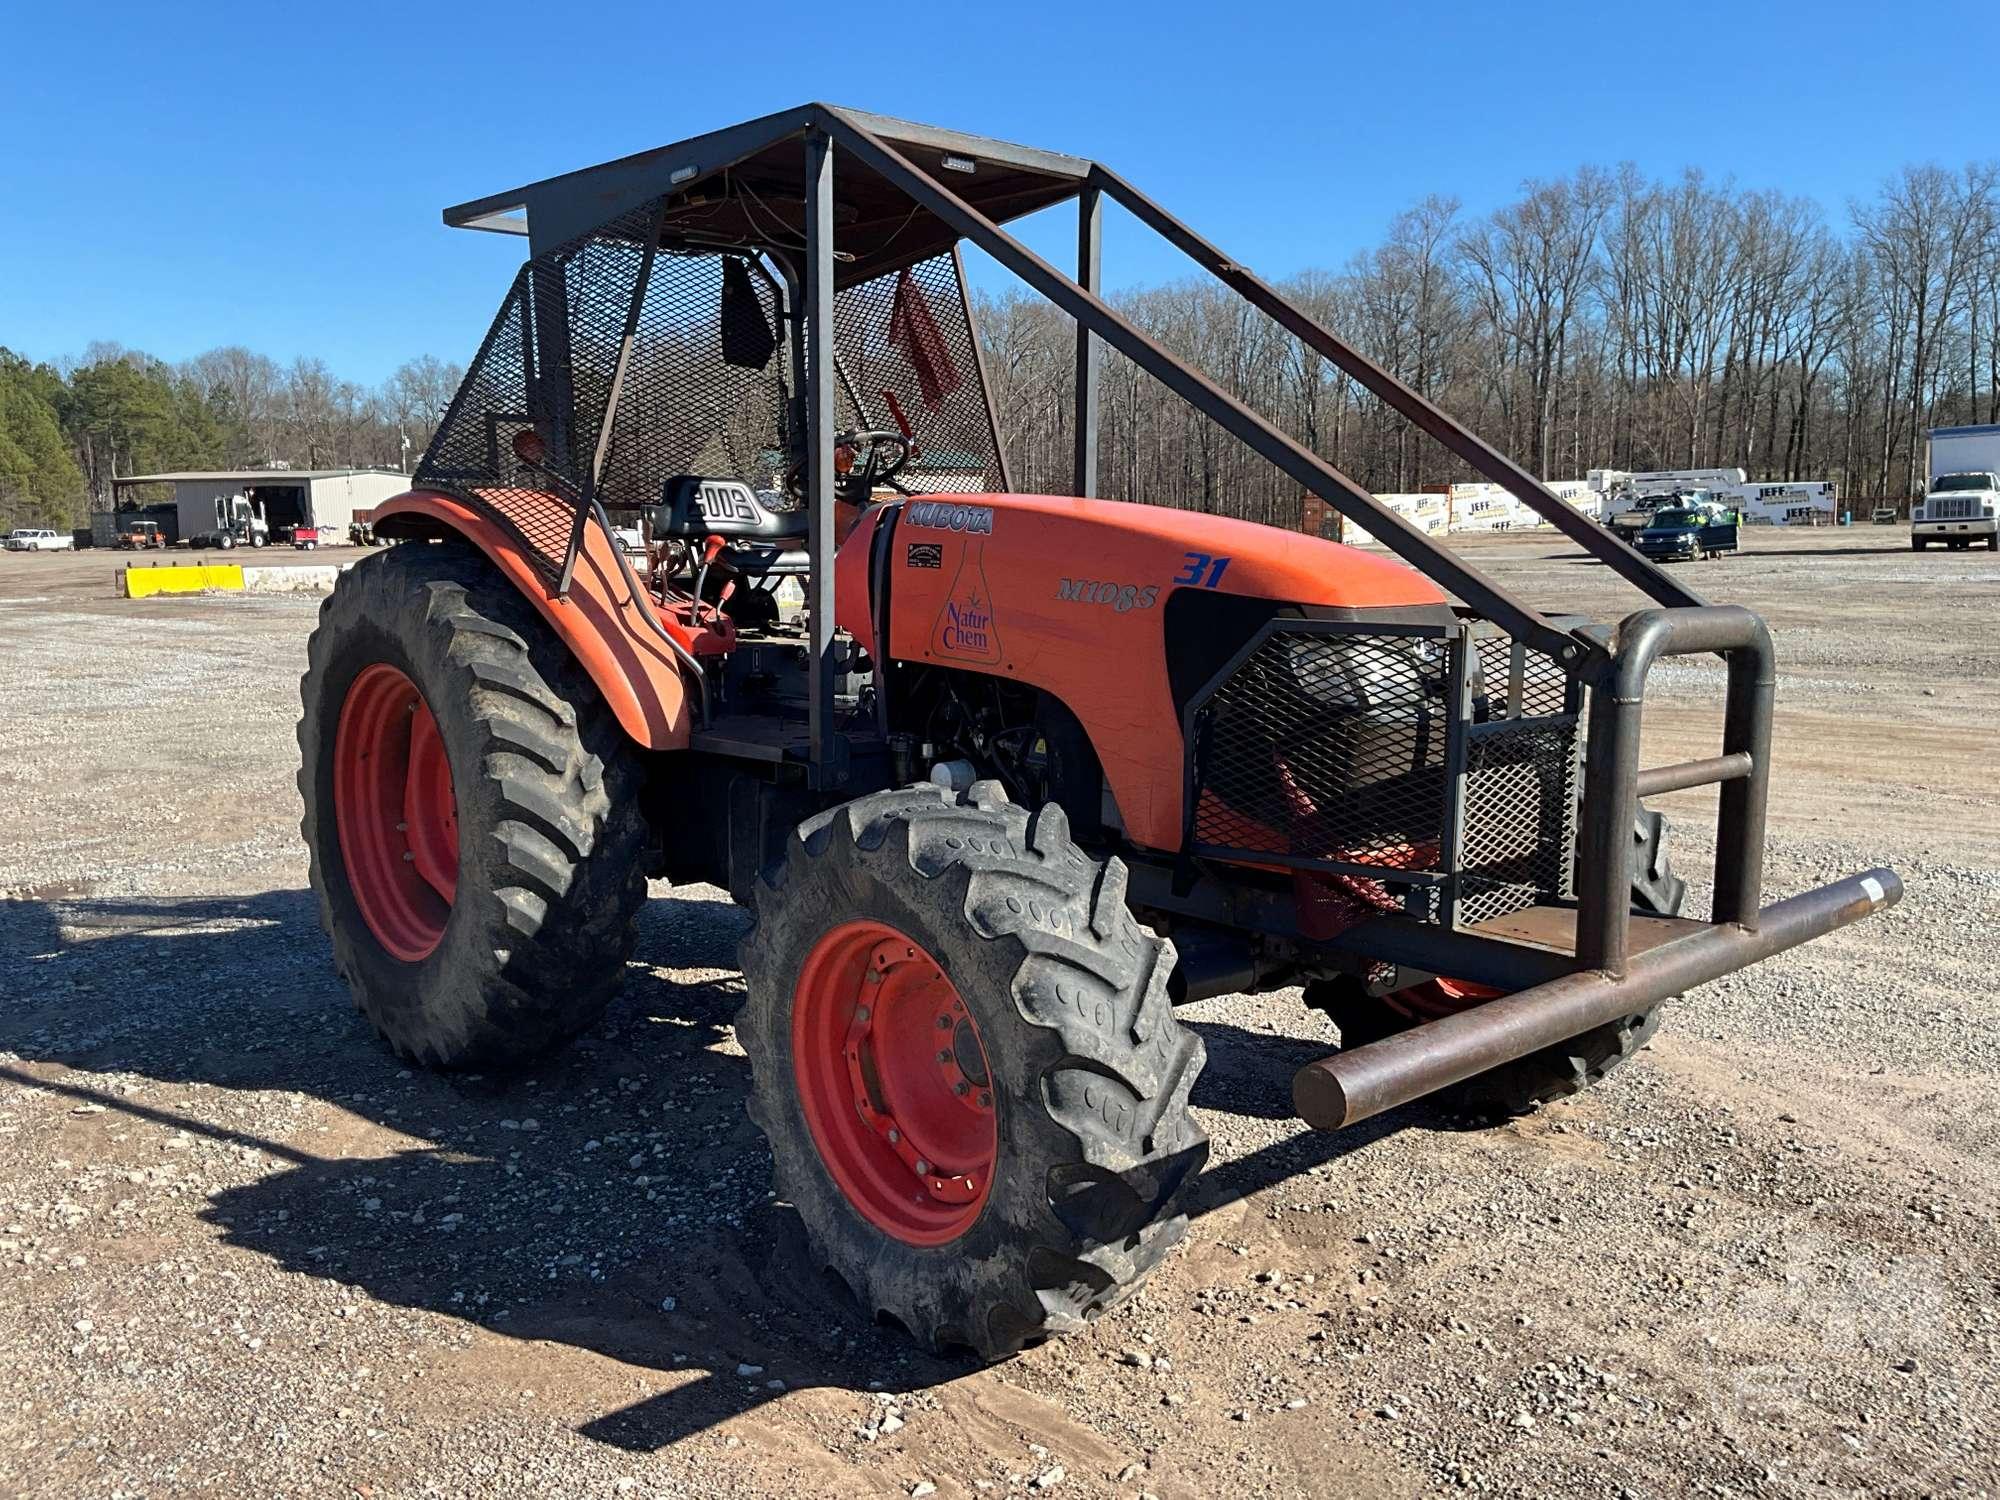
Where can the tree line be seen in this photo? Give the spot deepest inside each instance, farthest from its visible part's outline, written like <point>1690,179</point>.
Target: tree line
<point>67,428</point>
<point>1601,320</point>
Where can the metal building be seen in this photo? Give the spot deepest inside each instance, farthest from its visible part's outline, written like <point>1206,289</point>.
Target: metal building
<point>288,497</point>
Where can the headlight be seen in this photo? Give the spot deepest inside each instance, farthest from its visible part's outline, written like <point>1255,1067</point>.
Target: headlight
<point>1356,675</point>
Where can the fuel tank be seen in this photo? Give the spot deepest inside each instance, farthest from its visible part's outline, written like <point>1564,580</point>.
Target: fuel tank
<point>1121,611</point>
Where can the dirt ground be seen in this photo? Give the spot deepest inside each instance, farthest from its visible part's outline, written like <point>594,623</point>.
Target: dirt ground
<point>244,1251</point>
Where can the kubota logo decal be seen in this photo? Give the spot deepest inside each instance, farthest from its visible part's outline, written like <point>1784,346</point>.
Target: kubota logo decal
<point>1120,596</point>
<point>937,515</point>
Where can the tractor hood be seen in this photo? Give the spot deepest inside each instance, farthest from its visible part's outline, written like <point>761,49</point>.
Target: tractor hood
<point>1092,601</point>
<point>1110,542</point>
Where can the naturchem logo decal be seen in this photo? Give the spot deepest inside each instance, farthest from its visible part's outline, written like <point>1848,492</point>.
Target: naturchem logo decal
<point>965,628</point>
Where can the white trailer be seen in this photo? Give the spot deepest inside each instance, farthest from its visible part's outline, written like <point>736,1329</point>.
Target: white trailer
<point>1800,502</point>
<point>1961,500</point>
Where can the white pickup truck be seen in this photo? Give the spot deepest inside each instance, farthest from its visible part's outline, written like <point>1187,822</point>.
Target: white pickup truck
<point>1958,510</point>
<point>38,539</point>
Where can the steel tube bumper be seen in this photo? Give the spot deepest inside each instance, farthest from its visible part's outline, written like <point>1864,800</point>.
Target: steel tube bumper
<point>1351,1086</point>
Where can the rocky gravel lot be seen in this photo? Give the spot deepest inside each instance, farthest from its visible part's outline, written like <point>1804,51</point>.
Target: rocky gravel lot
<point>244,1251</point>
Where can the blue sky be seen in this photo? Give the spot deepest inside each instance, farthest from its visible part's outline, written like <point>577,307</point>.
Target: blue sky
<point>178,177</point>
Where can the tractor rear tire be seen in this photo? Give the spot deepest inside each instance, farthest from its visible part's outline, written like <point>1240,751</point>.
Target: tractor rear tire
<point>1063,1194</point>
<point>537,803</point>
<point>1517,1087</point>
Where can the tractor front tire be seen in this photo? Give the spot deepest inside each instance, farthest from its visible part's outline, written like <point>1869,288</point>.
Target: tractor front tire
<point>471,812</point>
<point>964,1057</point>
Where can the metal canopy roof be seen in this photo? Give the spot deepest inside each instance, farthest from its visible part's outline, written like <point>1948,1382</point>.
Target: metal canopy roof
<point>745,186</point>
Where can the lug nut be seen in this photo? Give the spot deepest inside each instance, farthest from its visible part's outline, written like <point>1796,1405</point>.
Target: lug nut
<point>895,1135</point>
<point>861,1014</point>
<point>923,1167</point>
<point>944,1023</point>
<point>985,1100</point>
<point>945,1056</point>
<point>961,1088</point>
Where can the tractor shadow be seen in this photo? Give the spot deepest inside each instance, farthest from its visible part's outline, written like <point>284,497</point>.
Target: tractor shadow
<point>617,1199</point>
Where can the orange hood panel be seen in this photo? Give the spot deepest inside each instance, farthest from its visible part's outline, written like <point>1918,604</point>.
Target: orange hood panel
<point>1070,596</point>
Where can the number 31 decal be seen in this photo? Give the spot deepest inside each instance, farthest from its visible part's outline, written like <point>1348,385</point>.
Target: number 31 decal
<point>1198,565</point>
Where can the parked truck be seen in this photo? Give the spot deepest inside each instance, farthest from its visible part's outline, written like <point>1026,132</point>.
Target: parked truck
<point>1961,500</point>
<point>239,522</point>
<point>38,539</point>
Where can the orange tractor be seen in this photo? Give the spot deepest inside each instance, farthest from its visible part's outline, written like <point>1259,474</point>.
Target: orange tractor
<point>1003,778</point>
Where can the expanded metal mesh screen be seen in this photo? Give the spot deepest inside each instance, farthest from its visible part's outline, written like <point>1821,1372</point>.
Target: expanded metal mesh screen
<point>910,333</point>
<point>1328,746</point>
<point>1519,683</point>
<point>1335,746</point>
<point>1520,817</point>
<point>692,401</point>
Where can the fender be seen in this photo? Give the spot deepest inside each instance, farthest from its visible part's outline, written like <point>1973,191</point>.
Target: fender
<point>599,623</point>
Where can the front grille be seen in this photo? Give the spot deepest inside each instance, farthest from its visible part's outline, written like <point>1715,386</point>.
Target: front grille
<point>1327,747</point>
<point>1442,762</point>
<point>1966,509</point>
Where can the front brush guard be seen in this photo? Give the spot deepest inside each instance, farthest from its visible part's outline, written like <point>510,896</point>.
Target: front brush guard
<point>1604,978</point>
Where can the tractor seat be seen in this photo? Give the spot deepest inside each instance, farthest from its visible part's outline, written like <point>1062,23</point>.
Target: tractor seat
<point>769,562</point>
<point>692,507</point>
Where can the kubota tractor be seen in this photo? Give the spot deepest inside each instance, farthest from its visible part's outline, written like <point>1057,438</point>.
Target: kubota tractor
<point>1022,772</point>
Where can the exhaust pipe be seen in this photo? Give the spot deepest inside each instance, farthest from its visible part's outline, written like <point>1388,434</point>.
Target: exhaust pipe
<point>1351,1086</point>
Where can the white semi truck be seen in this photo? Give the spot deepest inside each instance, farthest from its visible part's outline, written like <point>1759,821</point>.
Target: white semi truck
<point>1961,500</point>
<point>224,521</point>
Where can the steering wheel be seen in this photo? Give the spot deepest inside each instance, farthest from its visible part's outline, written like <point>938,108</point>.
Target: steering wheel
<point>856,484</point>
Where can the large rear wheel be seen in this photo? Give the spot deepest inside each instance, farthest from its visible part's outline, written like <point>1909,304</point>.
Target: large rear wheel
<point>471,812</point>
<point>963,1054</point>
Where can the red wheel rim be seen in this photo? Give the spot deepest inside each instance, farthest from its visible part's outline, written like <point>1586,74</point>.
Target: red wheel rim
<point>396,815</point>
<point>893,1075</point>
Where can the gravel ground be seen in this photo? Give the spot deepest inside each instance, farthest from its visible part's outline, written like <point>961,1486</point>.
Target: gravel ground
<point>244,1251</point>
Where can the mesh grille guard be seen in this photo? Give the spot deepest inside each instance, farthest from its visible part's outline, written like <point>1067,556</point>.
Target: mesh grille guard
<point>1435,764</point>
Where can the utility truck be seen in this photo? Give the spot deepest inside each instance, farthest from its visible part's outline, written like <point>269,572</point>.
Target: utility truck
<point>1960,505</point>
<point>1027,771</point>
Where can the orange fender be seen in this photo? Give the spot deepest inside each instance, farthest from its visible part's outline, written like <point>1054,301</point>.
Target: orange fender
<point>600,621</point>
